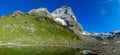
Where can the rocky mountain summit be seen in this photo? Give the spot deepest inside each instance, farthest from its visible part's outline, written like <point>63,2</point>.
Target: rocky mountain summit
<point>67,18</point>
<point>63,15</point>
<point>40,12</point>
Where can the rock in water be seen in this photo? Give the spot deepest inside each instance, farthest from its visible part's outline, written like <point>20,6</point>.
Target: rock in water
<point>67,18</point>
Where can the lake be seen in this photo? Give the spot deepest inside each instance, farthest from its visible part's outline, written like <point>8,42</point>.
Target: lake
<point>29,50</point>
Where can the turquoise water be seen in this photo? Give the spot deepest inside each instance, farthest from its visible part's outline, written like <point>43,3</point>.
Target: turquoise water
<point>38,51</point>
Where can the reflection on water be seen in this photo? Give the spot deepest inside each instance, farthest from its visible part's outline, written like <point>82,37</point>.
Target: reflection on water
<point>38,51</point>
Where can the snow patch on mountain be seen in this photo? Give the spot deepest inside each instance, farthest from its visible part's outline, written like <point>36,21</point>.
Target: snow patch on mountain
<point>61,20</point>
<point>90,33</point>
<point>109,35</point>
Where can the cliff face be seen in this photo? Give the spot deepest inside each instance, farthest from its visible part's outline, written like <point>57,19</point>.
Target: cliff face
<point>65,13</point>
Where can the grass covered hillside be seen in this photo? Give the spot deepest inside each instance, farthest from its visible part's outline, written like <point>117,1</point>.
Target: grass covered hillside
<point>34,30</point>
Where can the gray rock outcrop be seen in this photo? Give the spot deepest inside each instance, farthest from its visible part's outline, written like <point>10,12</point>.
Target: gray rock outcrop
<point>18,14</point>
<point>67,18</point>
<point>40,12</point>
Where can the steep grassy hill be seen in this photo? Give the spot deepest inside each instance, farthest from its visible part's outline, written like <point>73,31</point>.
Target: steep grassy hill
<point>35,30</point>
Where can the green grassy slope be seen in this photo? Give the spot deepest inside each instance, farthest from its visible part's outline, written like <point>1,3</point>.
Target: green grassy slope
<point>35,30</point>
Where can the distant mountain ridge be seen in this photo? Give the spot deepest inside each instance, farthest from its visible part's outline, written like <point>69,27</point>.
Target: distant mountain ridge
<point>108,35</point>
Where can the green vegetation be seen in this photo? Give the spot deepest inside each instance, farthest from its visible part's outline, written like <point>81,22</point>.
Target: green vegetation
<point>35,30</point>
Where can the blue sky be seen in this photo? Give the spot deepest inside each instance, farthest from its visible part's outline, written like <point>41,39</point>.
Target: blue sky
<point>94,15</point>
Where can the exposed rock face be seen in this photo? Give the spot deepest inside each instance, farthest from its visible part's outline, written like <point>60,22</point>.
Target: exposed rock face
<point>40,12</point>
<point>67,18</point>
<point>18,14</point>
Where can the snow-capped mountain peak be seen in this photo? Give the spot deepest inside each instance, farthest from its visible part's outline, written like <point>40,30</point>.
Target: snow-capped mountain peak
<point>109,35</point>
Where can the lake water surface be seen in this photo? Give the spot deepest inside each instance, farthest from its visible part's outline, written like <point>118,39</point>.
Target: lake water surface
<point>37,51</point>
